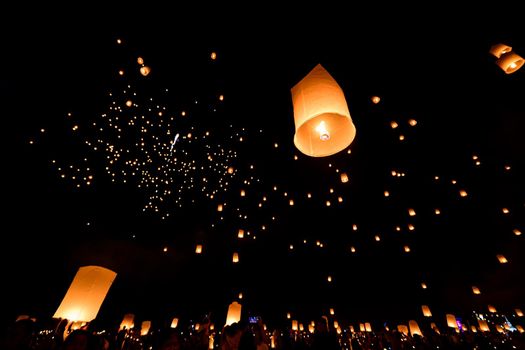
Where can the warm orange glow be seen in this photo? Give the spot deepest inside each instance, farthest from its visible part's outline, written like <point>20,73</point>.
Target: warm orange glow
<point>414,328</point>
<point>516,232</point>
<point>174,322</point>
<point>510,62</point>
<point>332,312</point>
<point>240,234</point>
<point>377,238</point>
<point>475,290</point>
<point>240,296</point>
<point>463,193</point>
<point>411,227</point>
<point>144,329</point>
<point>354,227</point>
<point>368,327</point>
<point>505,211</point>
<point>402,329</point>
<point>243,193</point>
<point>437,211</point>
<point>352,249</point>
<point>221,98</point>
<point>129,103</point>
<point>295,325</point>
<point>451,321</point>
<point>499,49</point>
<point>519,313</point>
<point>492,309</point>
<point>323,125</point>
<point>412,122</point>
<point>375,99</point>
<point>213,55</point>
<point>426,311</point>
<point>311,328</point>
<point>219,207</point>
<point>424,285</point>
<point>406,249</point>
<point>234,313</point>
<point>145,70</point>
<point>411,212</point>
<point>386,193</point>
<point>502,259</point>
<point>230,170</point>
<point>344,178</point>
<point>127,322</point>
<point>198,249</point>
<point>140,60</point>
<point>288,315</point>
<point>393,124</point>
<point>235,257</point>
<point>520,329</point>
<point>329,278</point>
<point>86,294</point>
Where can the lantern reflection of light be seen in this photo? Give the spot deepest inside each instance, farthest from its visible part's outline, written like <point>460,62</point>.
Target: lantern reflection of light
<point>323,125</point>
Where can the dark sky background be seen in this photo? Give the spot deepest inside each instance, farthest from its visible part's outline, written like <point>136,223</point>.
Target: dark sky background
<point>436,70</point>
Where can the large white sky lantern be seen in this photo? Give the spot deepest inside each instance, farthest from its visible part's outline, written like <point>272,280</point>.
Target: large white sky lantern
<point>234,313</point>
<point>323,125</point>
<point>86,294</point>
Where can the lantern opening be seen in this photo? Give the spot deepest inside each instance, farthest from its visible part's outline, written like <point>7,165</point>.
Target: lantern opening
<point>324,135</point>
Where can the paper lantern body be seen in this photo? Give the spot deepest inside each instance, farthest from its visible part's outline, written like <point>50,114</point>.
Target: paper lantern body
<point>127,322</point>
<point>451,321</point>
<point>414,328</point>
<point>234,313</point>
<point>510,62</point>
<point>426,311</point>
<point>323,125</point>
<point>144,329</point>
<point>499,49</point>
<point>86,294</point>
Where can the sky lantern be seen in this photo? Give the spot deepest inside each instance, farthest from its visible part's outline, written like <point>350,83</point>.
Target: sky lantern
<point>144,329</point>
<point>375,99</point>
<point>145,70</point>
<point>311,328</point>
<point>219,207</point>
<point>140,60</point>
<point>86,294</point>
<point>414,328</point>
<point>127,322</point>
<point>129,103</point>
<point>411,212</point>
<point>510,62</point>
<point>344,178</point>
<point>516,232</point>
<point>243,193</point>
<point>475,290</point>
<point>520,329</point>
<point>499,49</point>
<point>323,125</point>
<point>505,210</point>
<point>198,249</point>
<point>213,56</point>
<point>230,170</point>
<point>502,259</point>
<point>401,328</point>
<point>463,193</point>
<point>288,315</point>
<point>294,325</point>
<point>332,311</point>
<point>234,313</point>
<point>492,309</point>
<point>368,327</point>
<point>519,313</point>
<point>174,322</point>
<point>426,311</point>
<point>412,122</point>
<point>240,234</point>
<point>235,257</point>
<point>451,321</point>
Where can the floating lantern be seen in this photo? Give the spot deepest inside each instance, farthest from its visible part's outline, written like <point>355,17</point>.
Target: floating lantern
<point>502,259</point>
<point>198,249</point>
<point>219,207</point>
<point>505,210</point>
<point>301,327</point>
<point>368,327</point>
<point>519,313</point>
<point>451,321</point>
<point>145,70</point>
<point>235,258</point>
<point>386,193</point>
<point>174,322</point>
<point>240,296</point>
<point>213,56</point>
<point>144,329</point>
<point>127,322</point>
<point>510,62</point>
<point>414,328</point>
<point>406,249</point>
<point>412,122</point>
<point>234,313</point>
<point>288,315</point>
<point>344,178</point>
<point>243,193</point>
<point>500,49</point>
<point>492,309</point>
<point>140,60</point>
<point>520,329</point>
<point>426,311</point>
<point>411,212</point>
<point>375,99</point>
<point>240,234</point>
<point>473,329</point>
<point>516,232</point>
<point>463,193</point>
<point>475,290</point>
<point>361,327</point>
<point>332,312</point>
<point>323,125</point>
<point>86,294</point>
<point>295,326</point>
<point>129,103</point>
<point>230,170</point>
<point>311,328</point>
<point>402,329</point>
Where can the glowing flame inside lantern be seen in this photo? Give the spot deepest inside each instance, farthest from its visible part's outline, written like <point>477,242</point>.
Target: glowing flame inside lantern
<point>324,135</point>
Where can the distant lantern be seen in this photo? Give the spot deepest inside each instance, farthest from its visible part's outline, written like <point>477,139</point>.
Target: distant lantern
<point>406,249</point>
<point>411,212</point>
<point>519,313</point>
<point>451,321</point>
<point>502,259</point>
<point>473,329</point>
<point>463,193</point>
<point>516,232</point>
<point>492,309</point>
<point>221,98</point>
<point>140,60</point>
<point>386,193</point>
<point>426,311</point>
<point>86,294</point>
<point>424,285</point>
<point>198,249</point>
<point>393,124</point>
<point>301,327</point>
<point>414,328</point>
<point>500,49</point>
<point>174,322</point>
<point>323,125</point>
<point>354,227</point>
<point>235,257</point>
<point>219,207</point>
<point>234,313</point>
<point>332,311</point>
<point>520,329</point>
<point>510,62</point>
<point>288,315</point>
<point>329,278</point>
<point>375,99</point>
<point>434,327</point>
<point>505,210</point>
<point>437,211</point>
<point>344,178</point>
<point>240,233</point>
<point>412,122</point>
<point>402,329</point>
<point>311,328</point>
<point>352,249</point>
<point>127,322</point>
<point>295,325</point>
<point>243,193</point>
<point>240,296</point>
<point>145,70</point>
<point>213,56</point>
<point>368,327</point>
<point>336,324</point>
<point>230,170</point>
<point>499,328</point>
<point>144,329</point>
<point>291,202</point>
<point>475,290</point>
<point>129,103</point>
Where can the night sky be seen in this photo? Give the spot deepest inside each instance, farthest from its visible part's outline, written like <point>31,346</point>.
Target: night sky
<point>89,180</point>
